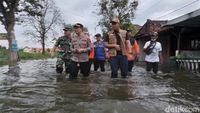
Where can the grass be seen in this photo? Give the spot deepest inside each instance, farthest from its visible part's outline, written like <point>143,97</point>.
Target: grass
<point>3,53</point>
<point>4,56</point>
<point>30,56</point>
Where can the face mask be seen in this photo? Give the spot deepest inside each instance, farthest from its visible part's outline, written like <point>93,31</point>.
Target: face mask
<point>153,40</point>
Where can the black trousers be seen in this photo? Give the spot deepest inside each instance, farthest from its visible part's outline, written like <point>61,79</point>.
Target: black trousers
<point>152,65</point>
<point>90,62</point>
<point>99,63</point>
<point>130,65</point>
<point>75,67</point>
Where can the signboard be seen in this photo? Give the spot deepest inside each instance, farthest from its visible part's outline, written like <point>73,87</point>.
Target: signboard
<point>3,36</point>
<point>14,47</point>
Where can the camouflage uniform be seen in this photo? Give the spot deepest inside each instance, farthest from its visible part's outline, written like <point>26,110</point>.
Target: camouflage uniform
<point>63,54</point>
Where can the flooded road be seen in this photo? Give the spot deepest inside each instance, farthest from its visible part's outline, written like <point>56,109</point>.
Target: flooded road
<point>35,87</point>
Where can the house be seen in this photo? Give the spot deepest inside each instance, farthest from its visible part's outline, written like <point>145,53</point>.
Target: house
<point>183,34</point>
<point>182,38</point>
<point>27,49</point>
<point>35,50</point>
<point>138,27</point>
<point>144,34</point>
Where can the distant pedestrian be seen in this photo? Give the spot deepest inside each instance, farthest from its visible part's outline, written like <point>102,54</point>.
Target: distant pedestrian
<point>153,50</point>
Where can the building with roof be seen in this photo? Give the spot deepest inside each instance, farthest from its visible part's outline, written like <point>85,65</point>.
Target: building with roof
<point>145,32</point>
<point>180,38</point>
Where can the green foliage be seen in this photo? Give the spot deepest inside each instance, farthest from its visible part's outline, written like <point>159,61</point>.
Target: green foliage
<point>30,7</point>
<point>123,9</point>
<point>130,26</point>
<point>2,48</point>
<point>125,27</point>
<point>4,53</point>
<point>26,56</point>
<point>183,55</point>
<point>12,11</point>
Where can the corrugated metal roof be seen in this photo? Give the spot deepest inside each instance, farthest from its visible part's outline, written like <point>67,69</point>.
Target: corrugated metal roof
<point>191,19</point>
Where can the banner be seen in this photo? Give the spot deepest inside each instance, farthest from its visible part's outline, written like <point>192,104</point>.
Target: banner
<point>14,47</point>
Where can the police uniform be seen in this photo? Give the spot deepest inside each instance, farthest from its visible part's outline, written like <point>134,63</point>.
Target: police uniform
<point>64,54</point>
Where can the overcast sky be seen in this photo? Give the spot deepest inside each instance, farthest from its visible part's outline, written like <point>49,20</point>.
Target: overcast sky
<point>83,11</point>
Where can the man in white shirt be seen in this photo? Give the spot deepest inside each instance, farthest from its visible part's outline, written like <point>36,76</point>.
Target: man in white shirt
<point>153,50</point>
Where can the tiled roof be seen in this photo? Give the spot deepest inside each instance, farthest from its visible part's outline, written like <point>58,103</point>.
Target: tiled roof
<point>149,28</point>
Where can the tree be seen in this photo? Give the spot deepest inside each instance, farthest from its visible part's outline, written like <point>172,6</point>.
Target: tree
<point>41,27</point>
<point>123,9</point>
<point>9,10</point>
<point>132,27</point>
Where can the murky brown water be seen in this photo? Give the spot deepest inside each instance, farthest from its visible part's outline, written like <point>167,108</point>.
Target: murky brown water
<point>34,87</point>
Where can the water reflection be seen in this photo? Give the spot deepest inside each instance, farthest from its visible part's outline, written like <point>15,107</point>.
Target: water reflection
<point>34,86</point>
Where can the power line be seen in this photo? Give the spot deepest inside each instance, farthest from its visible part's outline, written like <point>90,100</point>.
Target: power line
<point>177,9</point>
<point>155,3</point>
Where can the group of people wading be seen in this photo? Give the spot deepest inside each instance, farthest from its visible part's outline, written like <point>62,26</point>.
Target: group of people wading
<point>76,51</point>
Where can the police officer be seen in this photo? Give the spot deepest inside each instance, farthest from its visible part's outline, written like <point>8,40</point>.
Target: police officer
<point>81,45</point>
<point>63,45</point>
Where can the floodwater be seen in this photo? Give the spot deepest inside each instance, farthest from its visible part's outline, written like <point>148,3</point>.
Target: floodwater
<point>34,87</point>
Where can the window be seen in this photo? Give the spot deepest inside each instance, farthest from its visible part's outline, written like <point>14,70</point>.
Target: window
<point>195,44</point>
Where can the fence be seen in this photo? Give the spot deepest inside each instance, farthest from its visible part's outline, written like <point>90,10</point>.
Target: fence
<point>190,64</point>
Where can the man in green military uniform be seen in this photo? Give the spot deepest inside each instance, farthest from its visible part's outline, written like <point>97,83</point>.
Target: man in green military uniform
<point>63,46</point>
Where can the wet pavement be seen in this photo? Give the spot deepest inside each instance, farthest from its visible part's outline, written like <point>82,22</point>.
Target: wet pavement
<point>34,87</point>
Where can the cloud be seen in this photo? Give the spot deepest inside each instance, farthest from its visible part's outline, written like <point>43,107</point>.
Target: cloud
<point>152,9</point>
<point>82,11</point>
<point>73,11</point>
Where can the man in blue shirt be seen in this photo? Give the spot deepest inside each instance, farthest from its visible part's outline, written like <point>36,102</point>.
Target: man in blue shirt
<point>99,53</point>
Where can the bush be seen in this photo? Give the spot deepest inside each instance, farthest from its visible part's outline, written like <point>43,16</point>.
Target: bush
<point>183,55</point>
<point>1,47</point>
<point>26,56</point>
<point>4,55</point>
